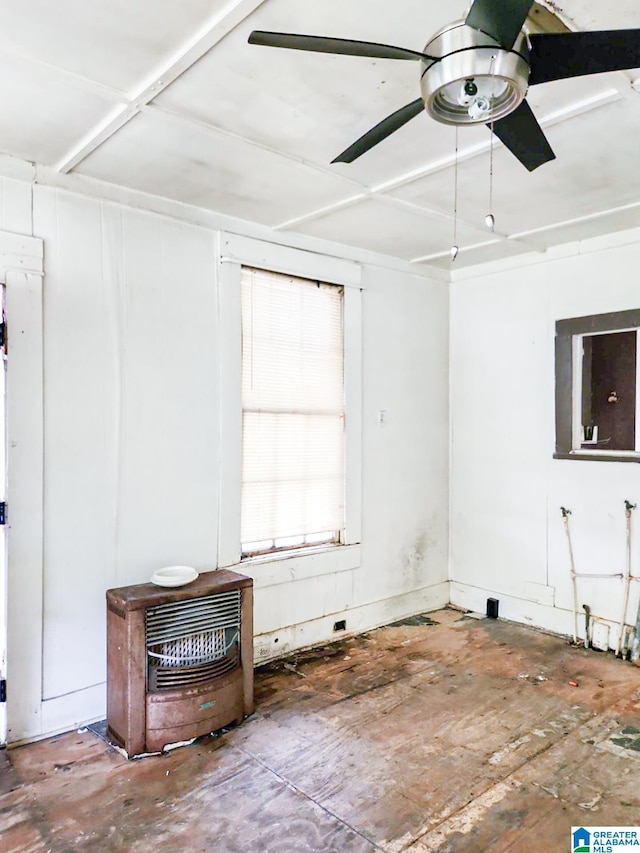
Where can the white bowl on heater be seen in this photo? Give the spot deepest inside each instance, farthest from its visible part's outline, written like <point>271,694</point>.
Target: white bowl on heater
<point>174,576</point>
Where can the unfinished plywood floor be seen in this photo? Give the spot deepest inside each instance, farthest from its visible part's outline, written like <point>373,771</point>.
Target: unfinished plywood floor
<point>453,737</point>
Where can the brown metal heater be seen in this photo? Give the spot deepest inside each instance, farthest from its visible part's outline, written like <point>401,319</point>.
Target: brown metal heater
<point>179,660</point>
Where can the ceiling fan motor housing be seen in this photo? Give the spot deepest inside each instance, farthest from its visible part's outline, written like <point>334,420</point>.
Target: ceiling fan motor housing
<point>473,79</point>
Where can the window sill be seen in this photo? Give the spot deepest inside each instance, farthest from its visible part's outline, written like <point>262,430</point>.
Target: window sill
<point>299,564</point>
<point>600,455</point>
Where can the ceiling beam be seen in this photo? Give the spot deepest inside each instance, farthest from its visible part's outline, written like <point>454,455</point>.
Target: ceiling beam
<point>319,212</point>
<point>215,29</point>
<point>427,212</point>
<point>393,201</point>
<point>494,236</point>
<point>525,238</point>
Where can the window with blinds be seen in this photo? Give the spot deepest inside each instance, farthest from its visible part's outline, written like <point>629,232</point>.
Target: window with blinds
<point>292,412</point>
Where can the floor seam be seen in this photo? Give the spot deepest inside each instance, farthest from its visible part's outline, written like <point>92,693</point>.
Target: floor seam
<point>299,790</point>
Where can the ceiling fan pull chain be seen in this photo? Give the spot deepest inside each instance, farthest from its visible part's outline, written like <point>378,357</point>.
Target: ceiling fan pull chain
<point>455,248</point>
<point>489,219</point>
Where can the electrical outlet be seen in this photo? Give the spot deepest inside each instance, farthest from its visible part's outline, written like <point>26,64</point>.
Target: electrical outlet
<point>382,417</point>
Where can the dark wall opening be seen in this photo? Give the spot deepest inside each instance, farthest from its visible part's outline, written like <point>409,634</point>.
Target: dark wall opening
<point>609,388</point>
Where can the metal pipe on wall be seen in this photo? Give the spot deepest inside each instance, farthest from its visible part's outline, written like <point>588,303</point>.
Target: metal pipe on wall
<point>565,519</point>
<point>628,509</point>
<point>575,575</point>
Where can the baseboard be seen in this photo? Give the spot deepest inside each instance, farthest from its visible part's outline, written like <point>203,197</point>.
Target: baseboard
<point>75,709</point>
<point>547,617</point>
<point>65,713</point>
<point>276,644</point>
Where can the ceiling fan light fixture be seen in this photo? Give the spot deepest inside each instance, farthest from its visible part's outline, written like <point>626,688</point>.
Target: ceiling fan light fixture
<point>481,109</point>
<point>473,78</point>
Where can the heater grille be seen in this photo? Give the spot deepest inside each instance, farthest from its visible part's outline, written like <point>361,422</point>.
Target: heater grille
<point>173,678</point>
<point>179,619</point>
<point>191,642</point>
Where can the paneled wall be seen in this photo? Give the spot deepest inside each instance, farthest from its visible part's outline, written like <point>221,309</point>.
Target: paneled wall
<point>132,443</point>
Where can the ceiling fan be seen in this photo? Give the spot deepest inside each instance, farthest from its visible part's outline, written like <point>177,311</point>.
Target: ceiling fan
<point>478,71</point>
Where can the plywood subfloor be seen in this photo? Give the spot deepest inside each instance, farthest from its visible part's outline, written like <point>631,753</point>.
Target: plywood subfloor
<point>442,735</point>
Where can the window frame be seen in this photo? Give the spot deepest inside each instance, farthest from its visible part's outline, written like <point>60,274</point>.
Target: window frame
<point>234,252</point>
<point>568,333</point>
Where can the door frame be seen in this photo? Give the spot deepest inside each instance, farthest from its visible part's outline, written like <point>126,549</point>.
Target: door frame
<point>21,271</point>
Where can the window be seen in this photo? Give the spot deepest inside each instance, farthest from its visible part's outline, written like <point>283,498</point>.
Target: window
<point>293,448</point>
<point>598,387</point>
<point>286,562</point>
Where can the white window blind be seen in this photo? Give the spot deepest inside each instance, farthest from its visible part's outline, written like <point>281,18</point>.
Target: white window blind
<point>292,411</point>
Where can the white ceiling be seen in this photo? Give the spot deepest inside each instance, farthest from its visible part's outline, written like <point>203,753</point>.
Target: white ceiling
<point>169,98</point>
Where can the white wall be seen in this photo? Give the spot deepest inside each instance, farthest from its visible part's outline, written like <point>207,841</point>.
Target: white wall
<point>132,449</point>
<point>130,415</point>
<point>405,472</point>
<point>507,536</point>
